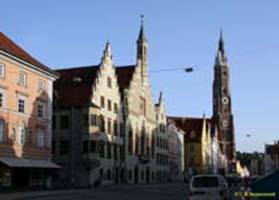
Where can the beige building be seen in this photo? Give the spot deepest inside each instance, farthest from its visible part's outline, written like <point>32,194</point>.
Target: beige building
<point>107,124</point>
<point>26,87</point>
<point>88,117</point>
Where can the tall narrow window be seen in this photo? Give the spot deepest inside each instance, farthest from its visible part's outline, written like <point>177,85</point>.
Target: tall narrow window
<point>109,105</point>
<point>102,102</point>
<point>40,110</point>
<point>109,82</point>
<point>22,135</point>
<point>40,137</point>
<point>102,124</point>
<point>115,108</point>
<point>21,105</point>
<point>2,70</point>
<point>109,150</point>
<point>1,99</point>
<point>115,127</point>
<point>41,85</point>
<point>143,106</point>
<point>93,120</point>
<point>2,130</point>
<point>22,79</point>
<point>109,126</point>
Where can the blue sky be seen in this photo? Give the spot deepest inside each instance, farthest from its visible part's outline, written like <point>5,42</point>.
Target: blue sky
<point>69,33</point>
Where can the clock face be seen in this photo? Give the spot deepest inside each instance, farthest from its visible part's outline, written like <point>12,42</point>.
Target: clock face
<point>225,100</point>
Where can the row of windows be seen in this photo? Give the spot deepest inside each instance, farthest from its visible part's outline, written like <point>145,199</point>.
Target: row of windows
<point>162,159</point>
<point>22,135</point>
<point>21,105</point>
<point>109,104</point>
<point>162,143</point>
<point>105,125</point>
<point>22,78</point>
<point>105,150</point>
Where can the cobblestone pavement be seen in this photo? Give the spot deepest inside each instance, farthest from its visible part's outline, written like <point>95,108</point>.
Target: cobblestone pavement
<point>172,191</point>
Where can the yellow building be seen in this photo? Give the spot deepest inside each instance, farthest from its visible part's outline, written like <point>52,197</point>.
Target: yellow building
<point>197,142</point>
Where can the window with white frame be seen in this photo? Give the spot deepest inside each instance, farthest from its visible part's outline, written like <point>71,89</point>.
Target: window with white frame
<point>22,79</point>
<point>2,70</point>
<point>2,130</point>
<point>22,135</point>
<point>41,85</point>
<point>21,105</point>
<point>40,137</point>
<point>40,110</point>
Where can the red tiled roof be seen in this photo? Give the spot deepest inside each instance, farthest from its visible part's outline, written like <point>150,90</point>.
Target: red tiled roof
<point>12,48</point>
<point>124,76</point>
<point>189,124</point>
<point>69,92</point>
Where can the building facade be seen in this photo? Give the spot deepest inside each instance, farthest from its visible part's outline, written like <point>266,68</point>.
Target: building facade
<point>197,143</point>
<point>176,151</point>
<point>271,157</point>
<point>88,117</point>
<point>26,88</point>
<point>107,127</point>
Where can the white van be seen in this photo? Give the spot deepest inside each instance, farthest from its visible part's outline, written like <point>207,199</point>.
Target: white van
<point>207,187</point>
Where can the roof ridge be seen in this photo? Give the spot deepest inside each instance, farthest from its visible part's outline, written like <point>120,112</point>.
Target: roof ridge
<point>20,48</point>
<point>78,67</point>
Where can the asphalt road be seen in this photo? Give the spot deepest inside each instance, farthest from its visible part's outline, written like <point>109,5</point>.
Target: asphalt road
<point>172,191</point>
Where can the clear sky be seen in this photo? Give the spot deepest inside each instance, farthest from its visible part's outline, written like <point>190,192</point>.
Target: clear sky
<point>65,33</point>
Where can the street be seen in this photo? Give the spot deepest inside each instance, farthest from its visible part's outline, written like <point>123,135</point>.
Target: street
<point>173,191</point>
<point>170,191</point>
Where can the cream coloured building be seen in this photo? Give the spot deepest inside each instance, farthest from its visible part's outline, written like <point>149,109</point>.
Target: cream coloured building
<point>106,124</point>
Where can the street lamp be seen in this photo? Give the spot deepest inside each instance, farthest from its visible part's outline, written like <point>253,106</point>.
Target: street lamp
<point>188,69</point>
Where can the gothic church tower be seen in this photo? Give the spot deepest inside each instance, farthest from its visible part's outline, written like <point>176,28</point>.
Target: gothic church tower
<point>222,107</point>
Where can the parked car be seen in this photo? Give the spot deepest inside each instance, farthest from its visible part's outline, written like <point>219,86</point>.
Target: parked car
<point>207,187</point>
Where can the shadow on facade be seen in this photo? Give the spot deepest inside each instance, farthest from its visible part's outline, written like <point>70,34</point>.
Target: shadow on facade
<point>26,151</point>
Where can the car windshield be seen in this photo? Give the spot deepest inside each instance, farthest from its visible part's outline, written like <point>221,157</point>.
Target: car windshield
<point>205,181</point>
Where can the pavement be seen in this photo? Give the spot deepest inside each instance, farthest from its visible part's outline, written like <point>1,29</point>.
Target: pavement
<point>170,191</point>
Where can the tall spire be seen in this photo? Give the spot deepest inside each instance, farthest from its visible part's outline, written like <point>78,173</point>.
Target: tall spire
<point>221,56</point>
<point>221,43</point>
<point>141,33</point>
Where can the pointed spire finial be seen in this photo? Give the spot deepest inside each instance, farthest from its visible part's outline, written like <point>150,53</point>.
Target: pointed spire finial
<point>107,51</point>
<point>221,42</point>
<point>142,19</point>
<point>161,97</point>
<point>141,34</point>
